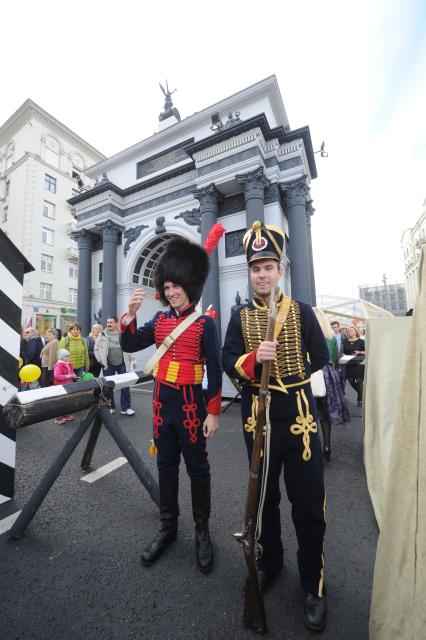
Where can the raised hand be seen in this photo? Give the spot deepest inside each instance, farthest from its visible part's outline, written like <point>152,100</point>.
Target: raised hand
<point>135,301</point>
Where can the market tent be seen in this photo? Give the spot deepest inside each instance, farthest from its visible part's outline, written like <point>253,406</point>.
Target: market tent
<point>399,586</point>
<point>353,308</point>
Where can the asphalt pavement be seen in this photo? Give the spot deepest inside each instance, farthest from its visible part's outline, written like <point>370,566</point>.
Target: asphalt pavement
<point>76,574</point>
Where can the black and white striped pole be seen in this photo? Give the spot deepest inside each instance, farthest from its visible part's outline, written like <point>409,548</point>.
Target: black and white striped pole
<point>13,266</point>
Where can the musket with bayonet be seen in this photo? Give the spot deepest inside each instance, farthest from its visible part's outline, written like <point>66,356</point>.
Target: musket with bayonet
<point>254,609</point>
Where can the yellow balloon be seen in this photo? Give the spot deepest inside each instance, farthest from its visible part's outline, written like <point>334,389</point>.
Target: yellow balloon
<point>30,373</point>
<point>20,363</point>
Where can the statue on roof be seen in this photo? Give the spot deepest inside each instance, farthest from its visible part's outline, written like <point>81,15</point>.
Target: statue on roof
<point>169,109</point>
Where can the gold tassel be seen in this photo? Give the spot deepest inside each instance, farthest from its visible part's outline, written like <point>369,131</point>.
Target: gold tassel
<point>152,449</point>
<point>257,226</point>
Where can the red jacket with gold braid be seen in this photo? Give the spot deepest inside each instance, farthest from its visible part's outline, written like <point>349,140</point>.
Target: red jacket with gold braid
<point>184,362</point>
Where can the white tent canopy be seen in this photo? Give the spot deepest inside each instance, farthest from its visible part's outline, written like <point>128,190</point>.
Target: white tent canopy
<point>353,308</point>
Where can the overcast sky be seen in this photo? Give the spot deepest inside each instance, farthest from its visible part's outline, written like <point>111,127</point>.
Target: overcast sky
<point>355,73</point>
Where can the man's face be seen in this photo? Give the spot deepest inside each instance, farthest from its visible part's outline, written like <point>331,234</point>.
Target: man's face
<point>111,324</point>
<point>336,327</point>
<point>29,333</point>
<point>175,295</point>
<point>264,274</point>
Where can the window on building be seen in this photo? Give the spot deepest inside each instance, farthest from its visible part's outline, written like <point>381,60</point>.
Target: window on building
<point>77,162</point>
<point>45,291</point>
<point>7,187</point>
<point>5,213</point>
<point>77,177</point>
<point>101,268</point>
<point>47,236</point>
<point>51,151</point>
<point>72,270</point>
<point>72,296</point>
<point>49,210</point>
<point>49,183</point>
<point>46,263</point>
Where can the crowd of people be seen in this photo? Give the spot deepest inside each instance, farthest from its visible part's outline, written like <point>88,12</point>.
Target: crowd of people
<point>66,358</point>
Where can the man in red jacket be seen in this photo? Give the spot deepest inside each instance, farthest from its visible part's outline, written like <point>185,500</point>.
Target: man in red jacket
<point>182,421</point>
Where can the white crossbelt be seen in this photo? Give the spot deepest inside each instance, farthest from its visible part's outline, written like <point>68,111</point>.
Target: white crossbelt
<point>170,340</point>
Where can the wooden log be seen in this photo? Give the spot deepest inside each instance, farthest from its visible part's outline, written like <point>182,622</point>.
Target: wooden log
<point>20,415</point>
<point>37,405</point>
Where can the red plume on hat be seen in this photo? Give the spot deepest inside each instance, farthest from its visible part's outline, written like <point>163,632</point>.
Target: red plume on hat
<point>212,240</point>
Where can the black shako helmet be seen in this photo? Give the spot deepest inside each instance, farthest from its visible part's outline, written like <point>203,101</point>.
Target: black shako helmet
<point>263,242</point>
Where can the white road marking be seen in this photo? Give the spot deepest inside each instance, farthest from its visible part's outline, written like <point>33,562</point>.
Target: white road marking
<point>7,451</point>
<point>103,471</point>
<point>8,522</point>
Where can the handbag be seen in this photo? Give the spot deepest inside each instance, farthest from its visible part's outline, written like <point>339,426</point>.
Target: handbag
<point>318,384</point>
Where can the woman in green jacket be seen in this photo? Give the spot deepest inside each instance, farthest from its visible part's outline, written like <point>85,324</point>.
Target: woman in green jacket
<point>77,346</point>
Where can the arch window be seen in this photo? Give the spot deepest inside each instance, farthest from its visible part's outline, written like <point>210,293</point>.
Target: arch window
<point>147,261</point>
<point>51,151</point>
<point>77,163</point>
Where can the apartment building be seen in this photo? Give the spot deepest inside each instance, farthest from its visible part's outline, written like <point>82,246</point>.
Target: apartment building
<point>42,165</point>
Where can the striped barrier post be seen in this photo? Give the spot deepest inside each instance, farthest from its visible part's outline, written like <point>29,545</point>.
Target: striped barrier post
<point>13,266</point>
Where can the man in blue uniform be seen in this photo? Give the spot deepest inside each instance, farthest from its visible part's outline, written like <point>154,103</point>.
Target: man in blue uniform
<point>298,350</point>
<point>183,420</point>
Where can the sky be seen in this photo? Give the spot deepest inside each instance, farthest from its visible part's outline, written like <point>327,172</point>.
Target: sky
<point>355,74</point>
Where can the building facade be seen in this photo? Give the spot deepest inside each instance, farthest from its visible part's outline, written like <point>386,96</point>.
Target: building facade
<point>235,162</point>
<point>42,164</point>
<point>391,297</point>
<point>411,242</point>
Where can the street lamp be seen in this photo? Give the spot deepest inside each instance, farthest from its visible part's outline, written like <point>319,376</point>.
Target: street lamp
<point>324,154</point>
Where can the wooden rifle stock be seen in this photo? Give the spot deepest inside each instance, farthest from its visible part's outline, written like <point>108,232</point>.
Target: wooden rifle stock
<point>254,609</point>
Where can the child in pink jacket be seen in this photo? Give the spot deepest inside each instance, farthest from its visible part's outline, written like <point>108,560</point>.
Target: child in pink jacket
<point>63,373</point>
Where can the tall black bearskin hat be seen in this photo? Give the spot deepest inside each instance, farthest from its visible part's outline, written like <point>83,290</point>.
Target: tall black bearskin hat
<point>187,264</point>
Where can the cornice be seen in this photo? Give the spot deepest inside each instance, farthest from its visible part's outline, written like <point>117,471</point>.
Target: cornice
<point>284,138</point>
<point>110,186</point>
<point>30,109</point>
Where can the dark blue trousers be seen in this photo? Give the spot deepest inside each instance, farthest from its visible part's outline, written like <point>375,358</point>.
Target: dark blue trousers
<point>295,447</point>
<point>178,417</point>
<point>111,370</point>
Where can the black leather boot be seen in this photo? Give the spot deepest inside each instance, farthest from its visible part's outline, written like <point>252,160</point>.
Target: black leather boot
<point>200,491</point>
<point>169,512</point>
<point>314,612</point>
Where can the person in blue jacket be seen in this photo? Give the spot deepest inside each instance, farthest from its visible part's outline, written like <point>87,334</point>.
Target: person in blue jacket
<point>293,444</point>
<point>183,420</point>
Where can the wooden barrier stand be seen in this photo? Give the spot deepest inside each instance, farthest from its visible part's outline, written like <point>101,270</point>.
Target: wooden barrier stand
<point>37,405</point>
